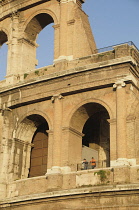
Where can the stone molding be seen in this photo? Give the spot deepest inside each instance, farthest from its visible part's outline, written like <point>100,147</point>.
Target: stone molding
<point>70,129</point>
<point>22,142</point>
<point>130,118</point>
<point>111,121</point>
<point>71,22</point>
<point>67,1</point>
<point>3,2</point>
<point>22,40</point>
<point>57,26</point>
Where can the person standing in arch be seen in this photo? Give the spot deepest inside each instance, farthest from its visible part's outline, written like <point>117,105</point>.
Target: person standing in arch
<point>93,163</point>
<point>85,164</point>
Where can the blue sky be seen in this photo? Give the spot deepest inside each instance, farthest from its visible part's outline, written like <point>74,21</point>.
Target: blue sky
<point>112,22</point>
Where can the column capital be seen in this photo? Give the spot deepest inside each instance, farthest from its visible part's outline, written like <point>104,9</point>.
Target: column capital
<point>27,143</point>
<point>57,96</point>
<point>119,84</point>
<point>15,14</point>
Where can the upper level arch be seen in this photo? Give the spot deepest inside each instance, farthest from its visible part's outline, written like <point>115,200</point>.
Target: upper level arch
<point>3,52</point>
<point>71,27</point>
<point>37,21</point>
<point>3,37</point>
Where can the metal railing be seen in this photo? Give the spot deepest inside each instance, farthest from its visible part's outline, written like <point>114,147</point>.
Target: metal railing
<point>87,166</point>
<point>105,49</point>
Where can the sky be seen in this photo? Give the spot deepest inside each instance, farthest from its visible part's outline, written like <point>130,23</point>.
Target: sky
<point>112,22</point>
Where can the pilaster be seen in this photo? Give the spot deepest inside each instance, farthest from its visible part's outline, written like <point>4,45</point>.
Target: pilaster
<point>113,149</point>
<point>50,150</point>
<point>121,143</point>
<point>57,134</point>
<point>71,155</point>
<point>131,144</point>
<point>13,47</point>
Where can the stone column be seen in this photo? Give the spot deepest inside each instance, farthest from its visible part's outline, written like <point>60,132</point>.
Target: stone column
<point>70,29</point>
<point>63,28</point>
<point>56,41</point>
<point>131,144</point>
<point>3,154</point>
<point>71,151</point>
<point>121,143</point>
<point>113,149</point>
<point>13,53</point>
<point>57,134</point>
<point>5,145</point>
<point>50,151</point>
<point>26,159</point>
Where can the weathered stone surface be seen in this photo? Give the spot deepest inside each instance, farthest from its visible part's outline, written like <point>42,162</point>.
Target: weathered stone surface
<point>82,92</point>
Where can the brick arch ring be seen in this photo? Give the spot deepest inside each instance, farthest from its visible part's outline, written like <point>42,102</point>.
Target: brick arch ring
<point>18,130</point>
<point>92,100</point>
<point>46,11</point>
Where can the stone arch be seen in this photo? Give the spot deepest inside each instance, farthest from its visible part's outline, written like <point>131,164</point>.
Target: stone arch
<point>25,122</point>
<point>92,100</point>
<point>37,12</point>
<point>3,36</point>
<point>32,27</point>
<point>37,21</point>
<point>31,146</point>
<point>91,120</point>
<point>3,51</point>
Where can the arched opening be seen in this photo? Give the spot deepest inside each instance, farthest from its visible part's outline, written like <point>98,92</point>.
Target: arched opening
<point>91,120</point>
<point>45,50</point>
<point>97,138</point>
<point>39,29</point>
<point>3,54</point>
<point>39,151</point>
<point>32,131</point>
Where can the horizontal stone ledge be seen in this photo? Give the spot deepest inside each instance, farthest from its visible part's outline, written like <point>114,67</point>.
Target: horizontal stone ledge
<point>67,72</point>
<point>116,189</point>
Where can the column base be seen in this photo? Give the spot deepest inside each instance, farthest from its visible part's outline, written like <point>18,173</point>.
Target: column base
<point>63,57</point>
<point>65,169</point>
<point>11,79</point>
<point>123,162</point>
<point>59,170</point>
